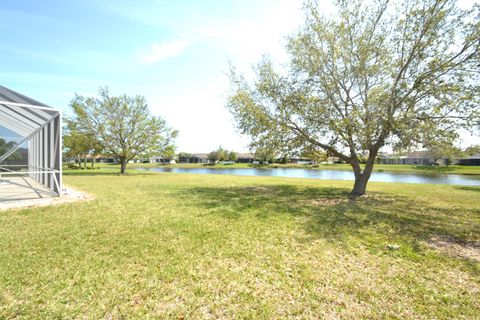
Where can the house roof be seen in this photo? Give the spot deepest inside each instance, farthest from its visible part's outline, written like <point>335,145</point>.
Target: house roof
<point>200,155</point>
<point>420,154</point>
<point>9,95</point>
<point>21,114</point>
<point>474,156</point>
<point>163,157</point>
<point>244,155</point>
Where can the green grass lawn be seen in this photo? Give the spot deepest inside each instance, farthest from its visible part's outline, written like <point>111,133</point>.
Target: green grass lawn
<point>452,169</point>
<point>218,246</point>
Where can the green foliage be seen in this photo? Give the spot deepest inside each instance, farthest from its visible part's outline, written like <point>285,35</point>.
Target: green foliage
<point>315,155</point>
<point>7,146</point>
<point>169,152</point>
<point>124,126</point>
<point>184,157</point>
<point>376,73</point>
<point>470,151</point>
<point>444,148</point>
<point>265,154</point>
<point>222,155</point>
<point>213,156</point>
<point>79,143</point>
<point>232,156</point>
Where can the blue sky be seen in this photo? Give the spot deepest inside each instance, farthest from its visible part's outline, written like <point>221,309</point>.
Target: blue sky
<point>175,53</point>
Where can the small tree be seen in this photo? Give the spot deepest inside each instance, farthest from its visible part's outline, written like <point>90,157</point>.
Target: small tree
<point>376,73</point>
<point>184,157</point>
<point>222,154</point>
<point>219,155</point>
<point>232,156</point>
<point>123,125</point>
<point>213,156</point>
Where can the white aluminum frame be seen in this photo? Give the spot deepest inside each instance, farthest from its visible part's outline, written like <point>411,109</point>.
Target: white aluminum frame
<point>41,127</point>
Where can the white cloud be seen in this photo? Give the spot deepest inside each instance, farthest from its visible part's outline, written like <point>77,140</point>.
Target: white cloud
<point>245,39</point>
<point>200,116</point>
<point>162,51</point>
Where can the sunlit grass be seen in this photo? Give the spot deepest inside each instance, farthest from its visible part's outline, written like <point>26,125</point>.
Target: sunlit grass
<point>215,246</point>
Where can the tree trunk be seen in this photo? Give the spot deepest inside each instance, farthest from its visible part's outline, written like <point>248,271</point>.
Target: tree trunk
<point>123,165</point>
<point>93,161</point>
<point>85,162</point>
<point>360,185</point>
<point>361,178</point>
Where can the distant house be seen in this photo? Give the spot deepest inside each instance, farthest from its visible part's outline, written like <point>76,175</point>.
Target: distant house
<point>199,158</point>
<point>300,160</point>
<point>105,159</point>
<point>415,157</point>
<point>422,158</point>
<point>244,157</point>
<point>162,159</point>
<point>473,160</point>
<point>332,160</point>
<point>384,158</point>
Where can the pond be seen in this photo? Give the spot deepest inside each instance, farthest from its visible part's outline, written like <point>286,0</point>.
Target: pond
<point>333,175</point>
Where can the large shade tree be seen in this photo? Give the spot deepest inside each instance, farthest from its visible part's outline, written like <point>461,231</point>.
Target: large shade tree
<point>376,73</point>
<point>124,126</point>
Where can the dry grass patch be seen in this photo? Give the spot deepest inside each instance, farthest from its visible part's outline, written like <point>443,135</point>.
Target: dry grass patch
<point>455,249</point>
<point>326,202</point>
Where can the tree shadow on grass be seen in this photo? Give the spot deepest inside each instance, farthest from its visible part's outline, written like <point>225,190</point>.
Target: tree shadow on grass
<point>328,213</point>
<point>467,188</point>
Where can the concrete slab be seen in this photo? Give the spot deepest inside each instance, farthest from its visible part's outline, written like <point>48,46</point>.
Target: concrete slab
<point>22,188</point>
<point>17,193</point>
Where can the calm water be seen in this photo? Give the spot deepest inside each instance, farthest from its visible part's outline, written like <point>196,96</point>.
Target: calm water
<point>333,175</point>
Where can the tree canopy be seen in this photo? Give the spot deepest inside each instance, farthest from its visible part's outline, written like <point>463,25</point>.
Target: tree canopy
<point>471,150</point>
<point>265,154</point>
<point>222,154</point>
<point>124,126</point>
<point>376,73</point>
<point>79,143</point>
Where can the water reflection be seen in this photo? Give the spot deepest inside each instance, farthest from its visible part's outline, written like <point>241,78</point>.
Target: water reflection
<point>333,175</point>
